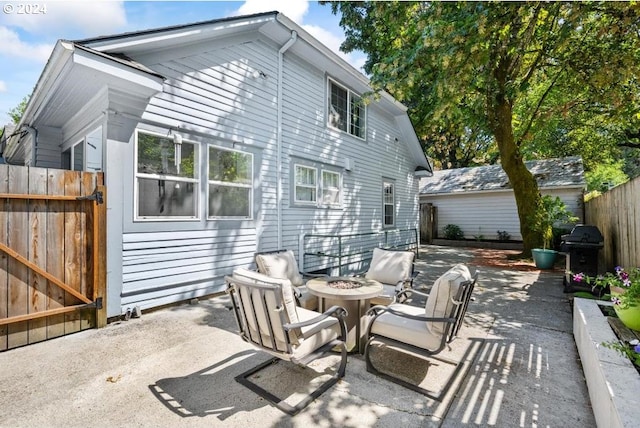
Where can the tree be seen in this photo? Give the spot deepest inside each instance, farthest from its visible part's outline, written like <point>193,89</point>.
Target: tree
<point>498,67</point>
<point>17,112</point>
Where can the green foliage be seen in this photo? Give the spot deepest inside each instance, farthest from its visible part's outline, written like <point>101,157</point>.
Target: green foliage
<point>452,231</point>
<point>17,112</point>
<point>604,176</point>
<point>503,235</point>
<point>530,79</point>
<point>554,213</point>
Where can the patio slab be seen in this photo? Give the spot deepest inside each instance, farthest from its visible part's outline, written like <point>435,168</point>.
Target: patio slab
<point>175,367</point>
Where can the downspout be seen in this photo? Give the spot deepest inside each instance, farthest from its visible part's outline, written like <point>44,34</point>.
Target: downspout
<point>283,49</point>
<point>34,148</point>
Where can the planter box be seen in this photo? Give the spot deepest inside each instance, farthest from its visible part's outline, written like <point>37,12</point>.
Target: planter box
<point>612,380</point>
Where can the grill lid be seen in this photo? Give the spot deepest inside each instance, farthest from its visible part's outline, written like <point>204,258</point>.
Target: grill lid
<point>583,233</point>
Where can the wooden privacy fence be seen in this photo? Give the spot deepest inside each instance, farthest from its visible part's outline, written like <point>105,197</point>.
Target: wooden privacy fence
<point>617,214</point>
<point>52,253</point>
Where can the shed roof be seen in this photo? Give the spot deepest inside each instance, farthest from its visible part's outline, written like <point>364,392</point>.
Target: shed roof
<point>549,173</point>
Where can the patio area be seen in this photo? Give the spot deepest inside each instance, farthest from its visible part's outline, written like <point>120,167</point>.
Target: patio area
<point>175,367</point>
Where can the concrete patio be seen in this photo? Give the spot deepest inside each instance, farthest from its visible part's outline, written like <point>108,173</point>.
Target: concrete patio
<point>175,367</point>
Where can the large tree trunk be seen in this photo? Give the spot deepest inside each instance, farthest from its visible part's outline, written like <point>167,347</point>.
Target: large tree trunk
<point>525,187</point>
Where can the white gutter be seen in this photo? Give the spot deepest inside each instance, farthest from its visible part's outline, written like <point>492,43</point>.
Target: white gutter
<point>283,49</point>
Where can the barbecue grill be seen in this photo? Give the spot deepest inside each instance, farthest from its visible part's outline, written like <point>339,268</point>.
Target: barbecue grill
<point>581,247</point>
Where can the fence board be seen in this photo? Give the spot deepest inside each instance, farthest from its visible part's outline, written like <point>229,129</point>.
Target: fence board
<point>87,185</point>
<point>4,278</point>
<point>19,274</point>
<point>72,248</point>
<point>37,253</point>
<point>616,213</point>
<point>55,260</point>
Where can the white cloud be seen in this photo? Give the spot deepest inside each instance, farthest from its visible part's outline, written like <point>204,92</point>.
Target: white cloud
<point>12,46</point>
<point>69,17</point>
<point>293,9</point>
<point>3,86</point>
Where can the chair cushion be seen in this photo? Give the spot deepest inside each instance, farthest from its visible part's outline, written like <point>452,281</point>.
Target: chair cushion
<point>387,296</point>
<point>281,265</point>
<point>315,335</point>
<point>288,295</point>
<point>440,301</point>
<point>390,267</point>
<point>413,332</point>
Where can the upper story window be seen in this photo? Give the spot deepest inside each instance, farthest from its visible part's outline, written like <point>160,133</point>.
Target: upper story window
<point>167,179</point>
<point>230,184</point>
<point>346,110</point>
<point>317,187</point>
<point>388,204</point>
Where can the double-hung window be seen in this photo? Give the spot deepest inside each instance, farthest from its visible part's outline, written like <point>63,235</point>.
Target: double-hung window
<point>230,184</point>
<point>306,190</point>
<point>167,179</point>
<point>346,110</point>
<point>331,188</point>
<point>388,204</point>
<point>317,187</point>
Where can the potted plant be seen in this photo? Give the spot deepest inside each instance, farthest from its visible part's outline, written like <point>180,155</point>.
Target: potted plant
<point>553,212</point>
<point>624,287</point>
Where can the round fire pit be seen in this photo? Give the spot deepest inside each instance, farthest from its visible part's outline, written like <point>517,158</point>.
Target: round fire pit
<point>344,284</point>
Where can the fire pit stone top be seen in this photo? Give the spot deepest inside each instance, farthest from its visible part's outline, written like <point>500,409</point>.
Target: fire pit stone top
<point>344,284</point>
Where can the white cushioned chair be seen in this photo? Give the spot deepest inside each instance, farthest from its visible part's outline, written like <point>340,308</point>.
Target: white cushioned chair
<point>424,331</point>
<point>394,269</point>
<point>282,264</point>
<point>268,317</point>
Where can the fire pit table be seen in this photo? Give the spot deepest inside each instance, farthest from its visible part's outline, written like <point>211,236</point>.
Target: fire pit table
<point>351,293</point>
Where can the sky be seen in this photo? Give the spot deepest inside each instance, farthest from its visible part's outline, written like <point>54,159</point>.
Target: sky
<point>29,30</point>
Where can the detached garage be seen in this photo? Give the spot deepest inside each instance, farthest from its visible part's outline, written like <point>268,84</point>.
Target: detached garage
<point>480,200</point>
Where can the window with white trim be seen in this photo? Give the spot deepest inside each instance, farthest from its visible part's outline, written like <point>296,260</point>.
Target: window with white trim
<point>305,189</point>
<point>346,110</point>
<point>315,186</point>
<point>230,184</point>
<point>86,154</point>
<point>388,204</point>
<point>167,179</point>
<point>331,188</point>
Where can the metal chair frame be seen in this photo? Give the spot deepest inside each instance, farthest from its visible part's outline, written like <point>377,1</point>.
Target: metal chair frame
<point>287,352</point>
<point>452,326</point>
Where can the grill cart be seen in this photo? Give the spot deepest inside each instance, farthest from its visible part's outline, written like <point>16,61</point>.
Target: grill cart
<point>581,247</point>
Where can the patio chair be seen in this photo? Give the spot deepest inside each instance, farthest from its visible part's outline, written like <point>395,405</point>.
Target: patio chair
<point>269,319</point>
<point>395,270</point>
<point>422,331</point>
<point>281,264</point>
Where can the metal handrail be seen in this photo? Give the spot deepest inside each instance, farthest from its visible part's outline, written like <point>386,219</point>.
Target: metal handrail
<point>340,237</point>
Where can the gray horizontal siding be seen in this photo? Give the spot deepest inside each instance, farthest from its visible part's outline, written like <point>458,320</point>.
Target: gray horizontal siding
<point>486,213</point>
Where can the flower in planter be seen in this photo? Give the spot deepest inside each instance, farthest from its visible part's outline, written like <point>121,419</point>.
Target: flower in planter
<point>629,281</point>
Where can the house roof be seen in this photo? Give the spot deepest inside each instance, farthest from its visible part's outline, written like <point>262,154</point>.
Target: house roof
<point>549,173</point>
<point>75,64</point>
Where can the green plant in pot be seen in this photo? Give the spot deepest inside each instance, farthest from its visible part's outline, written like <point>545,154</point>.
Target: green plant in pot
<point>553,212</point>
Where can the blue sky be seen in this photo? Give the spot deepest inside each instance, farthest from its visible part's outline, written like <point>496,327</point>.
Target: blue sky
<point>26,39</point>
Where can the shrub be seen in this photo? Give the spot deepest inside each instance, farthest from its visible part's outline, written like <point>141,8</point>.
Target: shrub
<point>503,235</point>
<point>452,231</point>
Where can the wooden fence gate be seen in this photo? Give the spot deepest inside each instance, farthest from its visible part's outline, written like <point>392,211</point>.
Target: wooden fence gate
<point>52,253</point>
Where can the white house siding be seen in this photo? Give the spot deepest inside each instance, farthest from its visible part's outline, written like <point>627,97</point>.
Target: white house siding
<point>306,137</point>
<point>484,213</point>
<point>214,93</point>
